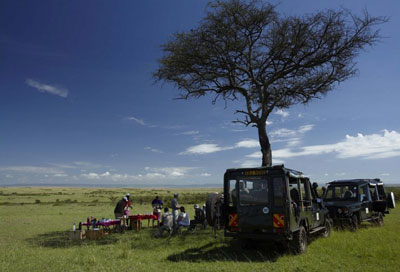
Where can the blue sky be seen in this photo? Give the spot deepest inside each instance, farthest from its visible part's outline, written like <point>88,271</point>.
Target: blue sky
<point>78,105</point>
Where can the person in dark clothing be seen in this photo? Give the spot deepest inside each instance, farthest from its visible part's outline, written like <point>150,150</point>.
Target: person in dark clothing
<point>157,206</point>
<point>119,208</point>
<point>157,202</point>
<point>199,217</point>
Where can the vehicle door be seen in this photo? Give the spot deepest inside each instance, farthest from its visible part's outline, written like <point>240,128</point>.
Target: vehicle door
<point>254,204</point>
<point>230,199</point>
<point>366,202</point>
<point>310,212</point>
<point>316,208</point>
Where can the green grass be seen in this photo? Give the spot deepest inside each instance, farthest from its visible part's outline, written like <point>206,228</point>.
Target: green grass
<point>33,237</point>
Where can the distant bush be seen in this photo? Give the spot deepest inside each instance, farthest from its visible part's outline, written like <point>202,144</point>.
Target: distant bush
<point>37,201</point>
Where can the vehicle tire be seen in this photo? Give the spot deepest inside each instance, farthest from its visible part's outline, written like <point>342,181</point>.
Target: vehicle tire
<point>379,221</point>
<point>299,243</point>
<point>211,205</point>
<point>390,200</point>
<point>327,231</point>
<point>354,223</point>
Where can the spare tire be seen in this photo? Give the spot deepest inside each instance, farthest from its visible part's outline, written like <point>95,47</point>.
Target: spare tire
<point>211,207</point>
<point>390,200</point>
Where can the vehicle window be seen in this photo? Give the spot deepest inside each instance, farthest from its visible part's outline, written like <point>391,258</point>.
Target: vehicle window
<point>374,192</point>
<point>294,190</point>
<point>253,192</point>
<point>232,193</point>
<point>329,192</point>
<point>277,184</point>
<point>341,192</point>
<point>364,193</point>
<point>305,192</point>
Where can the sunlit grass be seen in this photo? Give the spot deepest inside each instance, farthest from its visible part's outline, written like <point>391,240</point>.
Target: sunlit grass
<point>33,238</point>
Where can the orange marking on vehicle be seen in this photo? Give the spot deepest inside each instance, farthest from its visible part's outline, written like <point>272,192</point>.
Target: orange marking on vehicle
<point>279,220</point>
<point>233,220</point>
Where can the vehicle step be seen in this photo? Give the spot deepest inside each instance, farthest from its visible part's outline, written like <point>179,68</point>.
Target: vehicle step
<point>317,229</point>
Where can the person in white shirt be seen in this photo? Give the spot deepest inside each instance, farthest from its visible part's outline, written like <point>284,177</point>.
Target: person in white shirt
<point>183,218</point>
<point>166,223</point>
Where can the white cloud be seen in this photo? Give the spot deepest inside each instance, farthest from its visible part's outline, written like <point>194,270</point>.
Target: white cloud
<point>212,148</point>
<point>32,169</point>
<point>46,88</point>
<point>282,113</point>
<point>257,163</point>
<point>96,175</point>
<point>373,146</point>
<point>205,174</point>
<point>385,174</point>
<point>288,133</point>
<point>248,143</point>
<point>151,174</point>
<point>292,137</point>
<point>137,120</point>
<point>60,175</point>
<point>269,123</point>
<point>204,149</point>
<point>153,149</point>
<point>191,132</point>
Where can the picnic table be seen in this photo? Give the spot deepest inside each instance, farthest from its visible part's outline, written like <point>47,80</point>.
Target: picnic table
<point>136,220</point>
<point>104,224</point>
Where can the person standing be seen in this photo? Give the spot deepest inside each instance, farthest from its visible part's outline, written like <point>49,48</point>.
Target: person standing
<point>175,207</point>
<point>127,204</point>
<point>157,206</point>
<point>119,208</point>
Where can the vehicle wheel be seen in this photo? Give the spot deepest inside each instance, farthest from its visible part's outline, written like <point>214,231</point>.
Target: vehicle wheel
<point>379,220</point>
<point>299,242</point>
<point>327,230</point>
<point>354,223</point>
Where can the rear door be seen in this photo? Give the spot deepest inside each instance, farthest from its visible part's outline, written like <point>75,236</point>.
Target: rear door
<point>254,203</point>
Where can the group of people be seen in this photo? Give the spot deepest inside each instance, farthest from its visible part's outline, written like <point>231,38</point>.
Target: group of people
<point>169,221</point>
<point>178,218</point>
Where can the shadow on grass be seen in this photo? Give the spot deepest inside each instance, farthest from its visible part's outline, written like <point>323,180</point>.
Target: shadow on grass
<point>230,251</point>
<point>60,239</point>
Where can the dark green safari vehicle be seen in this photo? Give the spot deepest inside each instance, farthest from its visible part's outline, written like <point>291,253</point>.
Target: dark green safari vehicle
<point>269,204</point>
<point>351,202</point>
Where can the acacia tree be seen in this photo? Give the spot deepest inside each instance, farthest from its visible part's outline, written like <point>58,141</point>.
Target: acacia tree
<point>247,50</point>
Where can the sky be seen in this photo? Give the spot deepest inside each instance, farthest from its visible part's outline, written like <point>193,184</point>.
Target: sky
<point>79,106</point>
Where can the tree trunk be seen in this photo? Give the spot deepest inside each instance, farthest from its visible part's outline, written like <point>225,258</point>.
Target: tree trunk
<point>265,145</point>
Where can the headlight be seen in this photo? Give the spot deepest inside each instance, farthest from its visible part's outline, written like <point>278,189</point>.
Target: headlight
<point>339,211</point>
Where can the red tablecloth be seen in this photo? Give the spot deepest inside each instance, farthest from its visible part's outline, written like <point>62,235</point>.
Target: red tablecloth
<point>143,216</point>
<point>105,223</point>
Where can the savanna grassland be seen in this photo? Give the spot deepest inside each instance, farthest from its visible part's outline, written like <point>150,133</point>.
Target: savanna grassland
<point>34,222</point>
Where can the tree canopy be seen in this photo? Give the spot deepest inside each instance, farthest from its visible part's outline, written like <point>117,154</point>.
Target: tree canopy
<point>246,49</point>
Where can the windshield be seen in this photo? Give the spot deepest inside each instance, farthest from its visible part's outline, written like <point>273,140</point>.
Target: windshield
<point>341,192</point>
<point>253,192</point>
